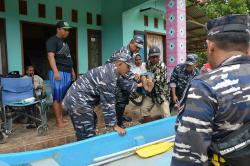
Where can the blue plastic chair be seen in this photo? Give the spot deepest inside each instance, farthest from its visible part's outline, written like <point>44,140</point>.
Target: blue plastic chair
<point>19,92</point>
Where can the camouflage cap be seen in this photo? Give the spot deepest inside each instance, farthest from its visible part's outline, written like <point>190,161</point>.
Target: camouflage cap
<point>230,23</point>
<point>191,59</point>
<point>139,41</point>
<point>125,58</point>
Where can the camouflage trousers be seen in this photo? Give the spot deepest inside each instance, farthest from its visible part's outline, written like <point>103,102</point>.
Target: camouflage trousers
<point>84,122</point>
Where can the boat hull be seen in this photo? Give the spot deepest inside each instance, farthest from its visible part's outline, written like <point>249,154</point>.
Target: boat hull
<point>83,153</point>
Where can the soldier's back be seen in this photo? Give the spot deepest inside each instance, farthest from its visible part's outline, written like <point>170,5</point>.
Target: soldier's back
<point>230,86</point>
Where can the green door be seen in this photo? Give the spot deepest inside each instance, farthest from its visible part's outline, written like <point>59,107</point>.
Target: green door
<point>94,48</point>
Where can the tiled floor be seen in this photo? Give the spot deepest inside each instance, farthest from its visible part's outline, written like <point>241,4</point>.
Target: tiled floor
<point>23,139</point>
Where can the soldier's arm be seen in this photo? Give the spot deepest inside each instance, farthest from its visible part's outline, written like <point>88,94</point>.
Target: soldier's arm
<point>107,101</point>
<point>174,78</point>
<point>173,83</point>
<point>195,126</point>
<point>128,83</point>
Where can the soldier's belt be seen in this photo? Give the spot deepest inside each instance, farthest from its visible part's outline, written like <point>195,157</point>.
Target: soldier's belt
<point>234,149</point>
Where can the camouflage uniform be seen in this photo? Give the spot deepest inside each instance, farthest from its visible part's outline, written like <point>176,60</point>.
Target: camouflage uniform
<point>126,84</point>
<point>97,86</point>
<point>180,78</point>
<point>216,104</point>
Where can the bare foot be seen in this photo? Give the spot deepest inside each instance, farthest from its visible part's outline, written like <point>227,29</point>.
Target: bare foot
<point>96,131</point>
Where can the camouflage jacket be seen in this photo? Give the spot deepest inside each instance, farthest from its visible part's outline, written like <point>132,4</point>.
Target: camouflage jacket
<point>115,55</point>
<point>217,104</point>
<point>160,91</point>
<point>180,78</point>
<point>127,82</point>
<point>96,86</point>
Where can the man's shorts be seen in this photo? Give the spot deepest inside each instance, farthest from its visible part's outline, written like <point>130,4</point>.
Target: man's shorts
<point>59,88</point>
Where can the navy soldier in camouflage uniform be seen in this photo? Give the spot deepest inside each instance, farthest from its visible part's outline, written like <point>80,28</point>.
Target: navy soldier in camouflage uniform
<point>217,103</point>
<point>181,76</point>
<point>126,84</point>
<point>97,86</point>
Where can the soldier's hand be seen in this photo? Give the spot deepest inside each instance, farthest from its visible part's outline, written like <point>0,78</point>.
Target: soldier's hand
<point>181,108</point>
<point>139,85</point>
<point>137,77</point>
<point>120,130</point>
<point>175,99</point>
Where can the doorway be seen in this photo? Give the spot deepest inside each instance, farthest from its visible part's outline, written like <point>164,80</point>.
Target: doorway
<point>3,54</point>
<point>94,48</point>
<point>159,40</point>
<point>34,37</point>
<point>142,51</point>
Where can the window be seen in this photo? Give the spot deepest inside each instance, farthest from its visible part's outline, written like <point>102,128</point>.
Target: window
<point>89,18</point>
<point>41,10</point>
<point>156,22</point>
<point>2,6</point>
<point>74,15</point>
<point>22,7</point>
<point>145,20</point>
<point>58,13</point>
<point>98,20</point>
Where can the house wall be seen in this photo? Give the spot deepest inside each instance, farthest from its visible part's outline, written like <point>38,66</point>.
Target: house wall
<point>133,20</point>
<point>119,20</point>
<point>13,33</point>
<point>112,27</point>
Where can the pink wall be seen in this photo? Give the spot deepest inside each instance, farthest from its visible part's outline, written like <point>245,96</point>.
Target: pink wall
<point>175,33</point>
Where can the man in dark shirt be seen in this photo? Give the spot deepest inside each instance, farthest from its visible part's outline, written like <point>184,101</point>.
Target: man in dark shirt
<point>61,64</point>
